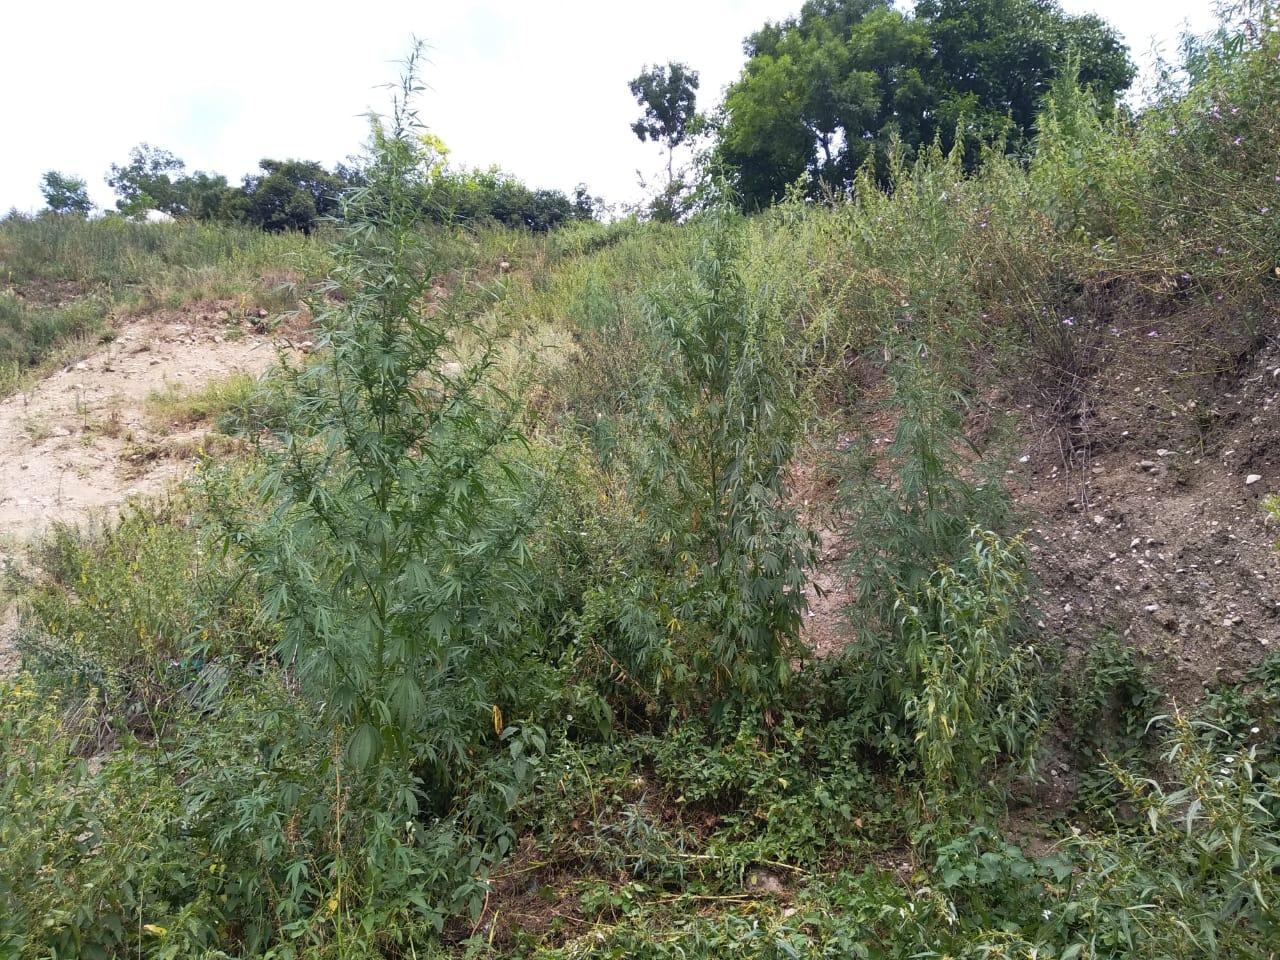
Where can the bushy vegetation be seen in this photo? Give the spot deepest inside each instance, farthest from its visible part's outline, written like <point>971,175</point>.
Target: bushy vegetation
<point>828,91</point>
<point>491,644</point>
<point>302,195</point>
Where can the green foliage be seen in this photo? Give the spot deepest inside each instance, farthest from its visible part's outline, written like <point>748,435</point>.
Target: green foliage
<point>66,278</point>
<point>995,59</point>
<point>144,183</point>
<point>335,768</point>
<point>1209,173</point>
<point>970,693</point>
<point>864,914</point>
<point>787,794</point>
<point>291,195</point>
<point>287,195</point>
<point>705,607</point>
<point>233,832</point>
<point>1112,708</point>
<point>302,195</point>
<point>939,679</point>
<point>128,609</point>
<point>480,198</point>
<point>1271,506</point>
<point>825,93</point>
<point>669,95</point>
<point>234,404</point>
<point>1077,177</point>
<point>1246,713</point>
<point>905,530</point>
<point>1114,701</point>
<point>1198,877</point>
<point>389,533</point>
<point>30,333</point>
<point>141,265</point>
<point>65,194</point>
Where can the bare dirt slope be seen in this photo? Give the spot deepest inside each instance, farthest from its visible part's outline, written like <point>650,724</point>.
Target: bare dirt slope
<point>79,443</point>
<point>1156,534</point>
<point>1142,503</point>
<point>76,443</point>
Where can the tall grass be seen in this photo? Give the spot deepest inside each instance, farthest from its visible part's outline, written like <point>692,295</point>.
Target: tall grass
<point>62,278</point>
<point>30,334</point>
<point>118,255</point>
<point>338,774</point>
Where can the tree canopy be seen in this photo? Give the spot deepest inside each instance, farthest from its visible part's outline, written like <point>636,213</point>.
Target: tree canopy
<point>824,91</point>
<point>669,96</point>
<point>65,194</point>
<point>291,195</point>
<point>300,194</point>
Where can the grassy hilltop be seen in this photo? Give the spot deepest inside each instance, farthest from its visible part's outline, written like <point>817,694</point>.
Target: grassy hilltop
<point>888,577</point>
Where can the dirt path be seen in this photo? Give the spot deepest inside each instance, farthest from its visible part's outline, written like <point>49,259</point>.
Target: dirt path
<point>76,444</point>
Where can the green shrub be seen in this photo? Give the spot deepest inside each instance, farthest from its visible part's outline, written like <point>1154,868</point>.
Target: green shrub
<point>1114,701</point>
<point>706,607</point>
<point>940,679</point>
<point>234,831</point>
<point>1200,874</point>
<point>131,610</point>
<point>390,537</point>
<point>1210,191</point>
<point>970,691</point>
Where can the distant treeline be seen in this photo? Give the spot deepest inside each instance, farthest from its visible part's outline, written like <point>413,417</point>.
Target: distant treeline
<point>300,194</point>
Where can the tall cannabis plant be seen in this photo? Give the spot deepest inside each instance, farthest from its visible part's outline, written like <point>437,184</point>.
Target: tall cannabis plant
<point>389,539</point>
<point>708,611</point>
<point>940,677</point>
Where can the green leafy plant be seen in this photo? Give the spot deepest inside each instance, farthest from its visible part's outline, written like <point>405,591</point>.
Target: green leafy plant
<point>132,610</point>
<point>389,537</point>
<point>940,678</point>
<point>1198,876</point>
<point>708,609</point>
<point>65,194</point>
<point>970,693</point>
<point>1115,700</point>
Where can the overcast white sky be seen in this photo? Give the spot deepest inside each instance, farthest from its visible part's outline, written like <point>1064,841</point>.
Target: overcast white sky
<point>538,87</point>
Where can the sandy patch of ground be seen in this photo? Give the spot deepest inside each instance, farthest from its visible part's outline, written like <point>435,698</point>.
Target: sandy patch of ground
<point>69,446</point>
<point>79,444</point>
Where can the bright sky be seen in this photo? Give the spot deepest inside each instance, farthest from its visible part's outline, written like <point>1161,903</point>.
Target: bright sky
<point>538,87</point>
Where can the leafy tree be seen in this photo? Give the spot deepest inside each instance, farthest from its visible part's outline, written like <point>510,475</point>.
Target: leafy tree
<point>153,179</point>
<point>997,58</point>
<point>65,194</point>
<point>585,206</point>
<point>476,196</point>
<point>827,91</point>
<point>144,183</point>
<point>669,96</point>
<point>291,195</point>
<point>205,196</point>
